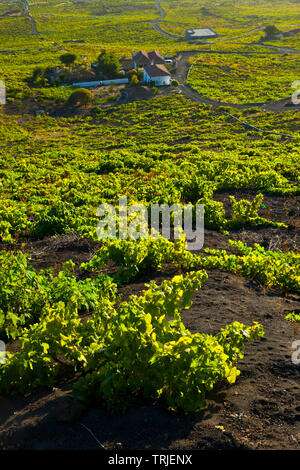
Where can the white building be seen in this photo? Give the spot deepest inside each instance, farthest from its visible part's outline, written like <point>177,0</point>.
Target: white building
<point>158,74</point>
<point>200,34</point>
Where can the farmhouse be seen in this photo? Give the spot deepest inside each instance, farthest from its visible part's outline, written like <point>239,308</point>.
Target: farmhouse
<point>200,34</point>
<point>158,74</point>
<point>142,58</point>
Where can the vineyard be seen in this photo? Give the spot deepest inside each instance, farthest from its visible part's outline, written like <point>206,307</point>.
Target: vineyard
<point>242,78</point>
<point>192,348</point>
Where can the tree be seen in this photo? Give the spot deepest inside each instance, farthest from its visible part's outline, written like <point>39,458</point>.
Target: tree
<point>80,97</point>
<point>38,77</point>
<point>68,59</point>
<point>271,32</point>
<point>175,83</point>
<point>131,72</point>
<point>37,73</point>
<point>109,64</point>
<point>134,80</point>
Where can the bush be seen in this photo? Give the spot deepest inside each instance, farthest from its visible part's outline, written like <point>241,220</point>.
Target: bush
<point>271,32</point>
<point>138,348</point>
<point>95,111</point>
<point>24,292</point>
<point>37,79</point>
<point>131,72</point>
<point>134,80</point>
<point>56,219</point>
<point>80,97</point>
<point>109,64</point>
<point>68,59</point>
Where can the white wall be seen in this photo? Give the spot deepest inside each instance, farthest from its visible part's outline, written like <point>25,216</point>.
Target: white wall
<point>116,81</point>
<point>158,81</point>
<point>87,84</point>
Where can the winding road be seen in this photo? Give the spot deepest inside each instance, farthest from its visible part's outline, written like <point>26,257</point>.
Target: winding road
<point>34,29</point>
<point>27,14</point>
<point>155,25</point>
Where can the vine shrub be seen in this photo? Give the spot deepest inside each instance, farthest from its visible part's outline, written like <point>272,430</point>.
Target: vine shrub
<point>140,347</point>
<point>24,293</point>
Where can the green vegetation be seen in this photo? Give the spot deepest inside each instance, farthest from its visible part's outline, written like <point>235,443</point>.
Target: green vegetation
<point>271,32</point>
<point>68,59</point>
<point>293,317</point>
<point>24,292</point>
<point>80,97</point>
<point>55,171</point>
<point>244,78</point>
<point>108,64</point>
<point>267,267</point>
<point>128,350</point>
<point>271,269</point>
<point>91,160</point>
<point>229,18</point>
<point>134,81</point>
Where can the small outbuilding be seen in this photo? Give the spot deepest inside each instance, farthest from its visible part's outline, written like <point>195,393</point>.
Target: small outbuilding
<point>136,93</point>
<point>200,34</point>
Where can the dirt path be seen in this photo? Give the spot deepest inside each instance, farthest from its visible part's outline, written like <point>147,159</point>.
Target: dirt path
<point>26,11</point>
<point>155,25</point>
<point>157,28</point>
<point>258,28</point>
<point>280,49</point>
<point>34,29</point>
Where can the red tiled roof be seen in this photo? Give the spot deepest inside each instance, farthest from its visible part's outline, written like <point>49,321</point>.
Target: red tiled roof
<point>141,58</point>
<point>144,58</point>
<point>156,57</point>
<point>157,70</point>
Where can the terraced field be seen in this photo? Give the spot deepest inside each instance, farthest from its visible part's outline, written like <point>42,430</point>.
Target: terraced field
<point>244,78</point>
